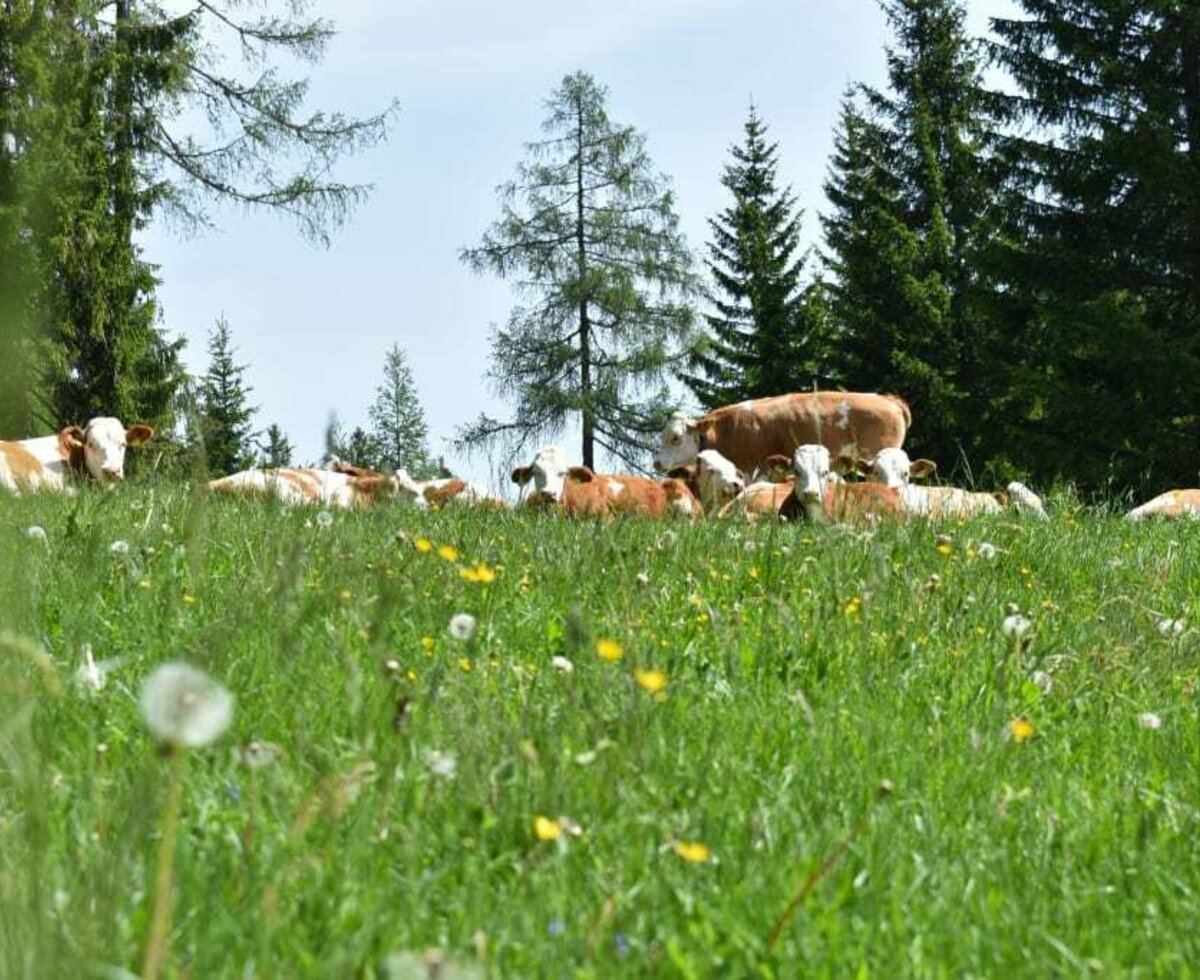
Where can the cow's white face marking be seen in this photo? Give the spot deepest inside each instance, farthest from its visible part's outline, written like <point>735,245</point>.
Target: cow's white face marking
<point>615,488</point>
<point>843,417</point>
<point>717,478</point>
<point>408,491</point>
<point>891,467</point>
<point>549,468</point>
<point>678,444</point>
<point>811,463</point>
<point>104,449</point>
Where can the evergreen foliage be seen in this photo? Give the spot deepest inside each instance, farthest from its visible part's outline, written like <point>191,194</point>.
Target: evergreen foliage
<point>589,230</point>
<point>276,449</point>
<point>398,428</point>
<point>226,414</point>
<point>762,339</point>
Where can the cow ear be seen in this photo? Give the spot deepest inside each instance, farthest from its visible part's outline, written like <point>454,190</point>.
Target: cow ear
<point>522,475</point>
<point>135,435</point>
<point>778,466</point>
<point>1001,497</point>
<point>862,467</point>
<point>71,439</point>
<point>922,468</point>
<point>581,474</point>
<point>682,473</point>
<point>845,463</point>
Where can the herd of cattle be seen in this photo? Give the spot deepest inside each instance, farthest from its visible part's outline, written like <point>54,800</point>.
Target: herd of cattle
<point>787,456</point>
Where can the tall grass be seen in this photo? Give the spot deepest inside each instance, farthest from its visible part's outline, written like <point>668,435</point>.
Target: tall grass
<point>805,667</point>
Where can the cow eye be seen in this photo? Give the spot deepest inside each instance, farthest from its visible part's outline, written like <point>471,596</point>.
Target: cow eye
<point>674,440</point>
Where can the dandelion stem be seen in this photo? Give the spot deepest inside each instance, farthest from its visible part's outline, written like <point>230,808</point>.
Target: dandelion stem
<point>820,871</point>
<point>160,919</point>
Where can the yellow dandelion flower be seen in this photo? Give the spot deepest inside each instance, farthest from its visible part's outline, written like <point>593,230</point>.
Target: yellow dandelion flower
<point>650,680</point>
<point>412,676</point>
<point>693,851</point>
<point>427,644</point>
<point>345,595</point>
<point>189,598</point>
<point>609,650</point>
<point>448,552</point>
<point>853,607</point>
<point>464,664</point>
<point>423,545</point>
<point>945,548</point>
<point>1020,729</point>
<point>546,829</point>
<point>480,573</point>
<point>144,584</point>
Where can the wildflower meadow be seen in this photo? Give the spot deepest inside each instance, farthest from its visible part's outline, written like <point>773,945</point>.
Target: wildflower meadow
<point>243,740</point>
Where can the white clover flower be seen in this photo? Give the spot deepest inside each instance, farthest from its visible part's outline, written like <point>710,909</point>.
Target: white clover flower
<point>987,550</point>
<point>1148,719</point>
<point>462,626</point>
<point>183,706</point>
<point>562,665</point>
<point>441,765</point>
<point>119,548</point>
<point>1043,681</point>
<point>325,519</point>
<point>1015,625</point>
<point>1170,627</point>
<point>35,532</point>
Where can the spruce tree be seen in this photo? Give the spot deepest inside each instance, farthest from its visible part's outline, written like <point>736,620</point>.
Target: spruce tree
<point>589,231</point>
<point>361,449</point>
<point>227,416</point>
<point>1110,174</point>
<point>276,449</point>
<point>398,426</point>
<point>762,339</point>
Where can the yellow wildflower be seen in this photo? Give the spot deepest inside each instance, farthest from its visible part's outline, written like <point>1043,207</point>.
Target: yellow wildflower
<point>546,829</point>
<point>464,664</point>
<point>144,584</point>
<point>427,644</point>
<point>423,544</point>
<point>480,573</point>
<point>609,650</point>
<point>693,851</point>
<point>448,552</point>
<point>1020,729</point>
<point>650,680</point>
<point>853,607</point>
<point>345,595</point>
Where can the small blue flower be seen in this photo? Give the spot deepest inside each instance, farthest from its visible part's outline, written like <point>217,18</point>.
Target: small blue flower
<point>621,943</point>
<point>556,928</point>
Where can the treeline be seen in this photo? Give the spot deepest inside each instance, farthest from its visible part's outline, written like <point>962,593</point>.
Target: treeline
<point>1020,261</point>
<point>93,101</point>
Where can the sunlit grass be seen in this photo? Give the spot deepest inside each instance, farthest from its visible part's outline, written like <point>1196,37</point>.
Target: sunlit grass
<point>549,748</point>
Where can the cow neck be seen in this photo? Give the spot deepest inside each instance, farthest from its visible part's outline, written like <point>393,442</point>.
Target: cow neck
<point>74,458</point>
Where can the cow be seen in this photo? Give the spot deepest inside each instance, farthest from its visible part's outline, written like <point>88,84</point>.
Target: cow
<point>580,492</point>
<point>1173,503</point>
<point>438,492</point>
<point>712,479</point>
<point>893,468</point>
<point>818,499</point>
<point>761,499</point>
<point>308,486</point>
<point>845,422</point>
<point>95,451</point>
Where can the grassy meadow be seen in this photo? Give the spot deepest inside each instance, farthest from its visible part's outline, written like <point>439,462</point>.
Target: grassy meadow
<point>737,696</point>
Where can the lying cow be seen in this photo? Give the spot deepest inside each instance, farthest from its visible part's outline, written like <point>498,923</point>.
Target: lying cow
<point>712,479</point>
<point>892,468</point>
<point>96,451</point>
<point>750,432</point>
<point>818,498</point>
<point>1173,503</point>
<point>306,486</point>
<point>580,492</point>
<point>440,491</point>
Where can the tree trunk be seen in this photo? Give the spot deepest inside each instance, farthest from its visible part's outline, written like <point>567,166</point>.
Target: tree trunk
<point>585,340</point>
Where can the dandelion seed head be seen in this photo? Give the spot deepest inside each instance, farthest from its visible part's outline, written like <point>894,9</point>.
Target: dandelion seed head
<point>185,707</point>
<point>324,519</point>
<point>119,547</point>
<point>987,550</point>
<point>1148,719</point>
<point>35,532</point>
<point>462,626</point>
<point>1043,681</point>
<point>441,765</point>
<point>1170,627</point>
<point>1015,626</point>
<point>562,665</point>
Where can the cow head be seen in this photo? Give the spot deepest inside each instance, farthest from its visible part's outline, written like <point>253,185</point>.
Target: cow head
<point>717,479</point>
<point>102,446</point>
<point>811,465</point>
<point>894,469</point>
<point>549,472</point>
<point>679,443</point>
<point>373,487</point>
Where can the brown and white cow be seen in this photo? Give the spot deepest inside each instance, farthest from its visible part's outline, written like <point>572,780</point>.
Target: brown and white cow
<point>438,492</point>
<point>893,468</point>
<point>308,486</point>
<point>1173,503</point>
<point>580,492</point>
<point>845,422</point>
<point>96,451</point>
<point>712,479</point>
<point>817,498</point>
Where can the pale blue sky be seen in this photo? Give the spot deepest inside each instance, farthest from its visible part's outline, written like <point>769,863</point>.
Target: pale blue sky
<point>471,76</point>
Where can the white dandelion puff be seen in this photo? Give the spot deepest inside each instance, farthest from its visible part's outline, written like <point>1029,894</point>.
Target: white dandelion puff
<point>35,532</point>
<point>1148,719</point>
<point>119,547</point>
<point>1170,627</point>
<point>987,550</point>
<point>462,626</point>
<point>183,706</point>
<point>562,665</point>
<point>441,765</point>
<point>1015,626</point>
<point>1043,681</point>
<point>325,518</point>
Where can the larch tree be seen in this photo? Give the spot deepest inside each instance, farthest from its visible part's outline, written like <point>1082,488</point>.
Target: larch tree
<point>226,415</point>
<point>761,339</point>
<point>589,233</point>
<point>398,427</point>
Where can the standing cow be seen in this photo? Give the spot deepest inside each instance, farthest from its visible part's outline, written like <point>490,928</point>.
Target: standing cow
<point>845,422</point>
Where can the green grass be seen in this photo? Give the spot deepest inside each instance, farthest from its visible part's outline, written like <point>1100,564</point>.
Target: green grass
<point>788,704</point>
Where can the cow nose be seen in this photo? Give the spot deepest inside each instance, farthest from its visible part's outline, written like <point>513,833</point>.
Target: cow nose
<point>111,472</point>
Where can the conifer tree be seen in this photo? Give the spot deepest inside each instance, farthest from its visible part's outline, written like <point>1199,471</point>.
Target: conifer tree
<point>398,427</point>
<point>761,339</point>
<point>227,417</point>
<point>276,449</point>
<point>590,232</point>
<point>361,449</point>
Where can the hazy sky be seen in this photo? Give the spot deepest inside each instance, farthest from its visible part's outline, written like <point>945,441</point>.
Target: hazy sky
<point>313,324</point>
